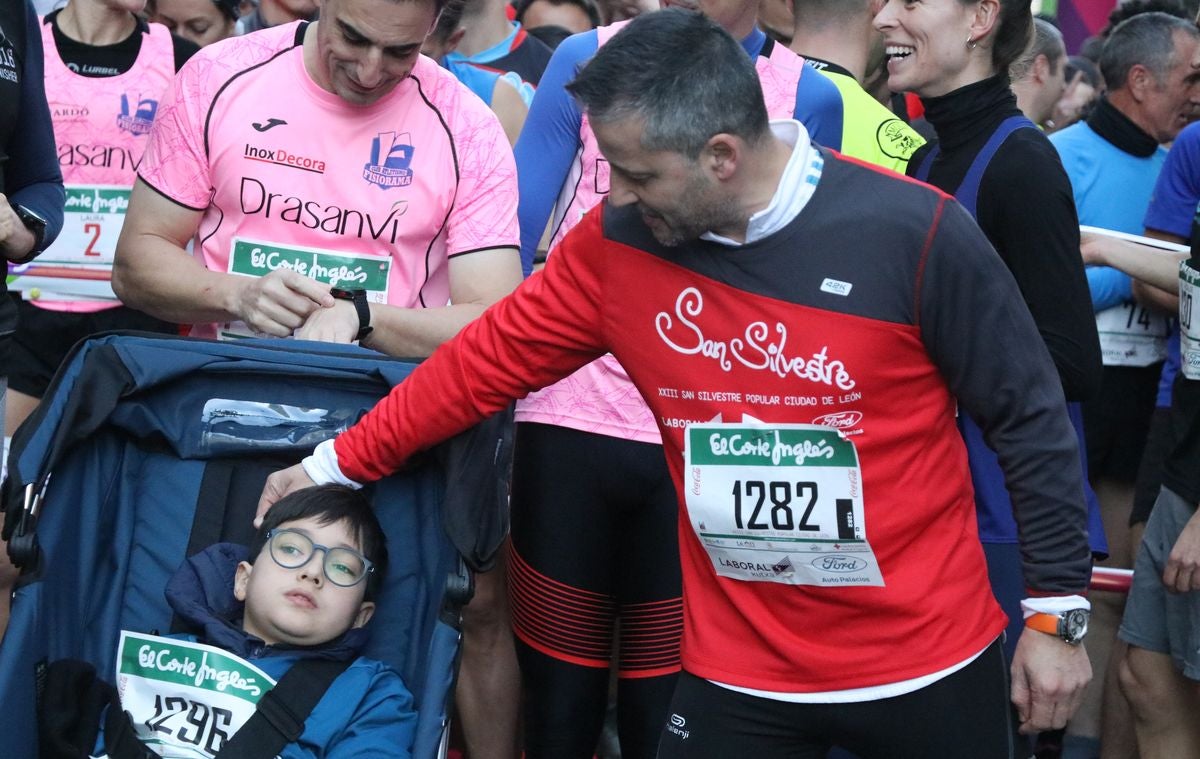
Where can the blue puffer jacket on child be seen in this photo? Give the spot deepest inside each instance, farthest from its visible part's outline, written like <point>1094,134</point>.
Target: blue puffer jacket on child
<point>367,711</point>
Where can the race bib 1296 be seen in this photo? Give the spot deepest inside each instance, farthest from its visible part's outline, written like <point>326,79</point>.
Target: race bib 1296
<point>185,699</point>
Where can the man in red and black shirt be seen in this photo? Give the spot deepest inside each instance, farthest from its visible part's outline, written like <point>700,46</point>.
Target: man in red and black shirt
<point>804,328</point>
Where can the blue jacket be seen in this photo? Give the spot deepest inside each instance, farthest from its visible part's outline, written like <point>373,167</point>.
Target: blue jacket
<point>367,711</point>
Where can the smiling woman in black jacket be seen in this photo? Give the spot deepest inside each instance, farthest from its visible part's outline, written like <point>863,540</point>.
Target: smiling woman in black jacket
<point>955,54</point>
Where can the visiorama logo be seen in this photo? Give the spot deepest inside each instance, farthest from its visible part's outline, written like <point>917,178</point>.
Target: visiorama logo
<point>391,154</point>
<point>839,564</point>
<point>140,117</point>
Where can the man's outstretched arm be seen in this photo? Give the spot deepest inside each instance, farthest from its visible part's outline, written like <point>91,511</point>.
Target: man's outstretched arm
<point>548,328</point>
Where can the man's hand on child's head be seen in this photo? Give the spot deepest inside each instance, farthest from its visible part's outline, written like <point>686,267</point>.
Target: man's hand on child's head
<point>278,485</point>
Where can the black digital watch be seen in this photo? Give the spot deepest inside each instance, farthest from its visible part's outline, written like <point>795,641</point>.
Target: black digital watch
<point>357,296</point>
<point>36,224</point>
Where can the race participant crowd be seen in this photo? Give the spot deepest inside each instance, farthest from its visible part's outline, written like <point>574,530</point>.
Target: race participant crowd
<point>844,337</point>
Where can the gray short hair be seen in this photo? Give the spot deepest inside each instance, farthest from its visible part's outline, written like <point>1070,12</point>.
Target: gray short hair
<point>820,13</point>
<point>1047,41</point>
<point>683,75</point>
<point>1147,39</point>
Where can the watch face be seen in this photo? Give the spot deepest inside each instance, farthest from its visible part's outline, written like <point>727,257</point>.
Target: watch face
<point>1074,625</point>
<point>30,218</point>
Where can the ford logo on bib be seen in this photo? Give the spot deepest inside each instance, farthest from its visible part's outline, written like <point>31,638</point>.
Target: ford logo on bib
<point>839,564</point>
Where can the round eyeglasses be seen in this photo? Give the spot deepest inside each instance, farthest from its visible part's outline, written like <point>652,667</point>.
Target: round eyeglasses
<point>343,567</point>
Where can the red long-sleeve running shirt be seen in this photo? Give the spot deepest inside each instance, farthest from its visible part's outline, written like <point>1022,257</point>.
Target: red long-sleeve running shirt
<point>869,314</point>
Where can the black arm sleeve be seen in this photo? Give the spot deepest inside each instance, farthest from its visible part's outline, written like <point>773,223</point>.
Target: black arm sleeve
<point>1027,210</point>
<point>32,177</point>
<point>980,335</point>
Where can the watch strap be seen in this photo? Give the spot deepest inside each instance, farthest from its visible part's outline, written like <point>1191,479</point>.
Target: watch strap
<point>36,226</point>
<point>358,297</point>
<point>1047,623</point>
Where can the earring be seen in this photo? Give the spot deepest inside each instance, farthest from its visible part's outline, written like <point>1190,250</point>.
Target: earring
<point>971,44</point>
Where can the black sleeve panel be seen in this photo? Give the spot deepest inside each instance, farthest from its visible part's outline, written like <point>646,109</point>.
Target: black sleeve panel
<point>1027,210</point>
<point>918,156</point>
<point>1181,470</point>
<point>979,333</point>
<point>183,50</point>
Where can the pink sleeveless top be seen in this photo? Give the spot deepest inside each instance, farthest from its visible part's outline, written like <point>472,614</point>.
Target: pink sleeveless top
<point>100,126</point>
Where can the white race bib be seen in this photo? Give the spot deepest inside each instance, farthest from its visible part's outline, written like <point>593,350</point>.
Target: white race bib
<point>778,503</point>
<point>1131,335</point>
<point>1189,326</point>
<point>252,258</point>
<point>185,699</point>
<point>79,263</point>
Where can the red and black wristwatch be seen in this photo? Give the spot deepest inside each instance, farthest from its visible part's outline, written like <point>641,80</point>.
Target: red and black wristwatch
<point>357,296</point>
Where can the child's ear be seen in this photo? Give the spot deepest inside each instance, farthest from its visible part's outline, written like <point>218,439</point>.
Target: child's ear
<point>241,578</point>
<point>366,610</point>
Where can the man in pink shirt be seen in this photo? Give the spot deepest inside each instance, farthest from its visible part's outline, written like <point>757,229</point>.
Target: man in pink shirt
<point>315,156</point>
<point>312,162</point>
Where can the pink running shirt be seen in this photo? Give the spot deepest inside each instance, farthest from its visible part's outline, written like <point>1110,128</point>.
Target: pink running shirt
<point>290,175</point>
<point>100,126</point>
<point>600,398</point>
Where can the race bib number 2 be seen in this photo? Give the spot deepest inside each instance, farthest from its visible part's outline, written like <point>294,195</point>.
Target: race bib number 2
<point>779,503</point>
<point>92,221</point>
<point>186,700</point>
<point>79,263</point>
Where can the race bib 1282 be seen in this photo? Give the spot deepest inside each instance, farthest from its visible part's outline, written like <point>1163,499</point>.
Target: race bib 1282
<point>779,503</point>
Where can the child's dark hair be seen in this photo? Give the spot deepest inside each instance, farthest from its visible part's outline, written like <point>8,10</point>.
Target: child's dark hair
<point>329,504</point>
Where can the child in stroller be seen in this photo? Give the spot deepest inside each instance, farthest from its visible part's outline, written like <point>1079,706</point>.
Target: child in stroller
<point>267,608</point>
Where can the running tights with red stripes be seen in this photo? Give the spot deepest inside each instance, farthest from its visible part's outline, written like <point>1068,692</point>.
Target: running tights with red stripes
<point>594,550</point>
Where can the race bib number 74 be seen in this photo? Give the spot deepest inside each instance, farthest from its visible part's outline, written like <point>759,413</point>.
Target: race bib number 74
<point>779,503</point>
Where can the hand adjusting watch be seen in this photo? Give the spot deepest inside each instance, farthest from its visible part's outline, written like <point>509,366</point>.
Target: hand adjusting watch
<point>357,296</point>
<point>1071,626</point>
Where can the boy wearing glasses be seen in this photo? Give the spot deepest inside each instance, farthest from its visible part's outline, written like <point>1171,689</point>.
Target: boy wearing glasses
<point>304,589</point>
<point>318,584</point>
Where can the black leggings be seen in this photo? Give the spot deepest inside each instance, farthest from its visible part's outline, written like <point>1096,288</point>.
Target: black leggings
<point>593,541</point>
<point>966,715</point>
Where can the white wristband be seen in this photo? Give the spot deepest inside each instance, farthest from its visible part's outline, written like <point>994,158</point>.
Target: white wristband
<point>1053,605</point>
<point>322,467</point>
